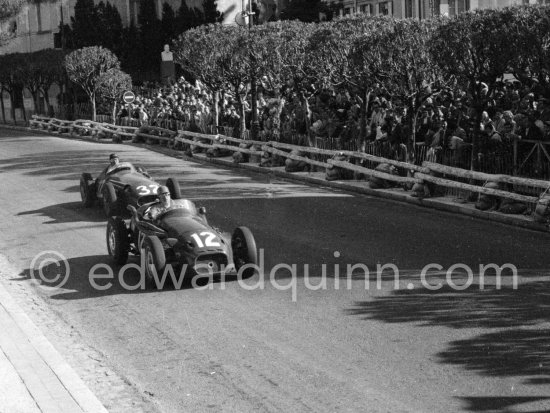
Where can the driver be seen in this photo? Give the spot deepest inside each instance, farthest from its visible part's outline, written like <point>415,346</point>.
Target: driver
<point>113,163</point>
<point>163,204</point>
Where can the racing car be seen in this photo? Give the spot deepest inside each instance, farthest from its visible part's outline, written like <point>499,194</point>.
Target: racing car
<point>125,185</point>
<point>181,237</point>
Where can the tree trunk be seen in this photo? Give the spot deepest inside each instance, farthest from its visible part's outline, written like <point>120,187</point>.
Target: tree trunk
<point>242,120</point>
<point>475,141</point>
<point>412,146</point>
<point>216,110</point>
<point>2,104</point>
<point>363,119</point>
<point>35,101</point>
<point>114,113</point>
<point>46,95</point>
<point>92,100</point>
<point>12,110</point>
<point>307,120</point>
<point>277,116</point>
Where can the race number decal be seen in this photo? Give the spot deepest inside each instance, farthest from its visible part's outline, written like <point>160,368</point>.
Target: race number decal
<point>205,239</point>
<point>147,189</point>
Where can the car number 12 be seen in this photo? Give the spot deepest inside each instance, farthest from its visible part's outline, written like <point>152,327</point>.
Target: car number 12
<point>209,239</point>
<point>147,189</point>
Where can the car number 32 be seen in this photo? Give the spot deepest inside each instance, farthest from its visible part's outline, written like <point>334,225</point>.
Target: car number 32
<point>147,189</point>
<point>205,239</point>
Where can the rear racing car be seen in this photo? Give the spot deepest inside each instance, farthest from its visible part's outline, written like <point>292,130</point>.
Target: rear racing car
<point>181,237</point>
<point>122,186</point>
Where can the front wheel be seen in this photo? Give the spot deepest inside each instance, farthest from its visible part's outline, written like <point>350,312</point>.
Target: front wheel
<point>155,260</point>
<point>117,240</point>
<point>244,251</point>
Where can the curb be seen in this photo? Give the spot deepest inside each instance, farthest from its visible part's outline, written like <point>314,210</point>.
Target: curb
<point>305,177</point>
<point>72,383</point>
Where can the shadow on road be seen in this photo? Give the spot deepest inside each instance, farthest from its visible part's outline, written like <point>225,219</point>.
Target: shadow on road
<point>491,404</point>
<point>68,212</point>
<point>118,280</point>
<point>214,183</point>
<point>520,348</point>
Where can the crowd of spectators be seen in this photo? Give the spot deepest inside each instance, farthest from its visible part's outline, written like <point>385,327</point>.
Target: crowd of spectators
<point>446,121</point>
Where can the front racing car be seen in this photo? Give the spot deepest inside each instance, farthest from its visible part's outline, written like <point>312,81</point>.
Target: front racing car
<point>181,238</point>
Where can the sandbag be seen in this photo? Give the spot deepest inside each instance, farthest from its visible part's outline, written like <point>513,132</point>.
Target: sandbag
<point>380,183</point>
<point>509,206</point>
<point>335,173</point>
<point>487,202</point>
<point>542,210</point>
<point>292,165</point>
<point>270,160</point>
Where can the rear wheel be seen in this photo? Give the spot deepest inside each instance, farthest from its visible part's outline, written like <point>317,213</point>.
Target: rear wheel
<point>174,188</point>
<point>109,200</point>
<point>155,260</point>
<point>87,192</point>
<point>244,251</point>
<point>118,243</point>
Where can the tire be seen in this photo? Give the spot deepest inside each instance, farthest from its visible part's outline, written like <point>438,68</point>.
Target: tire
<point>174,187</point>
<point>118,243</point>
<point>154,258</point>
<point>109,200</point>
<point>244,250</point>
<point>87,193</point>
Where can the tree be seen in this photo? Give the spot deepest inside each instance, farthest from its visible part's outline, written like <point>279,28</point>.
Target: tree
<point>85,24</point>
<point>202,51</point>
<point>279,56</point>
<point>10,8</point>
<point>112,84</point>
<point>308,11</point>
<point>86,66</point>
<point>131,48</point>
<point>398,57</point>
<point>474,48</point>
<point>184,18</point>
<point>150,34</point>
<point>168,22</point>
<point>330,50</point>
<point>11,77</point>
<point>211,12</point>
<point>109,27</point>
<point>531,44</point>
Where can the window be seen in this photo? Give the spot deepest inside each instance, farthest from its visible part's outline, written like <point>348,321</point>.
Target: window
<point>366,9</point>
<point>347,11</point>
<point>384,8</point>
<point>409,6</point>
<point>458,6</point>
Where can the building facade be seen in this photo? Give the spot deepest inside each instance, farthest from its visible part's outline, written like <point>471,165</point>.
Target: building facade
<point>37,26</point>
<point>422,9</point>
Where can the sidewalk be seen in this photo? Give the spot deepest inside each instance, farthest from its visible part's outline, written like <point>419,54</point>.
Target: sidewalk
<point>34,377</point>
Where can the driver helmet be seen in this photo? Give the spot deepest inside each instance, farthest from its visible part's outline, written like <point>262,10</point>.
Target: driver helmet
<point>163,190</point>
<point>113,156</point>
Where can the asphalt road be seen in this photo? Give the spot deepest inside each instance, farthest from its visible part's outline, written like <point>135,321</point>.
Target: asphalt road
<point>305,340</point>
